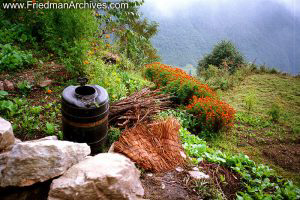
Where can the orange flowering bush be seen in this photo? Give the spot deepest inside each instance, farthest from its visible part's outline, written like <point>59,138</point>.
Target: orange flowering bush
<point>177,82</point>
<point>200,99</point>
<point>212,114</point>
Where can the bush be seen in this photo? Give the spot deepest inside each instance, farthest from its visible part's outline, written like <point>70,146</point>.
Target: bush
<point>221,78</point>
<point>177,82</point>
<point>224,55</point>
<point>274,112</point>
<point>117,82</point>
<point>12,58</point>
<point>63,33</point>
<point>212,114</point>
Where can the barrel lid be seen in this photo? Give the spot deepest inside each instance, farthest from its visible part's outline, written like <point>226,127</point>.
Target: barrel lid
<point>88,96</point>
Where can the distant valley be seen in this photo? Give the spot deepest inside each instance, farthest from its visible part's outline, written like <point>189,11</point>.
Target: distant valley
<point>265,32</point>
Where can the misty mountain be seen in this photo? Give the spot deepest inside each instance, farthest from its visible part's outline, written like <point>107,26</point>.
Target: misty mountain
<point>264,31</point>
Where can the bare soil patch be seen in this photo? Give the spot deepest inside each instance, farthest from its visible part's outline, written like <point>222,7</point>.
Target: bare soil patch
<point>167,186</point>
<point>286,156</point>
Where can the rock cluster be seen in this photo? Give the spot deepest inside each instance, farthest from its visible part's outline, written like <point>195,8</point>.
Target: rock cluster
<point>28,168</point>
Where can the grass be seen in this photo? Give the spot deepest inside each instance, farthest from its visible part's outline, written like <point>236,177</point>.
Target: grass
<point>255,131</point>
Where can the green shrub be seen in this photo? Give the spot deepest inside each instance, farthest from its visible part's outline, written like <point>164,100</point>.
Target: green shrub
<point>274,112</point>
<point>63,33</point>
<point>117,82</point>
<point>11,58</point>
<point>224,55</point>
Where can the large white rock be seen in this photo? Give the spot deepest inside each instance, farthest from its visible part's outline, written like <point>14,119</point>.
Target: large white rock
<point>106,176</point>
<point>39,160</point>
<point>7,138</point>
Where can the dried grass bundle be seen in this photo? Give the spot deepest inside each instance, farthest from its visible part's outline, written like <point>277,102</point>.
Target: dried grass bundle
<point>138,108</point>
<point>155,147</point>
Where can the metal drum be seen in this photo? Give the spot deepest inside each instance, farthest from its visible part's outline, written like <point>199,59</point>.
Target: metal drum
<point>85,112</point>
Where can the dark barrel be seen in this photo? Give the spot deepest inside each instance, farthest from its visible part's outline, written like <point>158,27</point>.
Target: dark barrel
<point>85,112</point>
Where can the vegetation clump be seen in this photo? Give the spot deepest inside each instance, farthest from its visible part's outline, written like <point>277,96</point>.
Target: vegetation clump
<point>224,55</point>
<point>200,100</point>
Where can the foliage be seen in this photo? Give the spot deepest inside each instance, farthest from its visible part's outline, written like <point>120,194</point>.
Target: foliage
<point>274,112</point>
<point>24,87</point>
<point>250,100</point>
<point>3,94</point>
<point>212,114</point>
<point>252,120</point>
<point>117,82</point>
<point>30,120</point>
<point>177,82</point>
<point>49,32</point>
<point>221,78</point>
<point>259,181</point>
<point>113,135</point>
<point>224,55</point>
<point>11,58</point>
<point>186,119</point>
<point>131,33</point>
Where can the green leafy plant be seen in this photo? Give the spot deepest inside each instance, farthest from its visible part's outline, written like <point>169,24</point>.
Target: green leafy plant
<point>50,128</point>
<point>11,58</point>
<point>3,94</point>
<point>259,181</point>
<point>24,87</point>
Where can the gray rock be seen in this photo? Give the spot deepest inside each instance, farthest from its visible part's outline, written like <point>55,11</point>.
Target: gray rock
<point>45,83</point>
<point>39,160</point>
<point>198,175</point>
<point>8,85</point>
<point>179,169</point>
<point>107,176</point>
<point>7,138</point>
<point>1,85</point>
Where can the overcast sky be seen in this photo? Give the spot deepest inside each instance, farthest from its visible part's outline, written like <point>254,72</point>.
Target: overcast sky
<point>168,8</point>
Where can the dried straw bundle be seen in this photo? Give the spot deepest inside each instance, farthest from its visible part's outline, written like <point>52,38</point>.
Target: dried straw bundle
<point>138,108</point>
<point>155,147</point>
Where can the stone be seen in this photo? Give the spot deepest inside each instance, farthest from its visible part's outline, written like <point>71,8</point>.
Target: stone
<point>182,154</point>
<point>8,85</point>
<point>195,169</point>
<point>7,138</point>
<point>111,148</point>
<point>45,83</point>
<point>39,160</point>
<point>107,176</point>
<point>179,169</point>
<point>1,85</point>
<point>198,175</point>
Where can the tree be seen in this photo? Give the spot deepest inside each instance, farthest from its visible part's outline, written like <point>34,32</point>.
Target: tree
<point>223,55</point>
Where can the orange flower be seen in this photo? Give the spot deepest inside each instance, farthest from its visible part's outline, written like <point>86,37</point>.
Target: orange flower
<point>86,62</point>
<point>49,91</point>
<point>107,36</point>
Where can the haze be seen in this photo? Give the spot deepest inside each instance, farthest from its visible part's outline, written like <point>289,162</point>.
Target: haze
<point>265,31</point>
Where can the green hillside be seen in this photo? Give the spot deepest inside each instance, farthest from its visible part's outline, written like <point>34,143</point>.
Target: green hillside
<point>276,144</point>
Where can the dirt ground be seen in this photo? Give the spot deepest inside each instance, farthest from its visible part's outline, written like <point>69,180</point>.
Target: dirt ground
<point>167,186</point>
<point>286,156</point>
<point>179,185</point>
